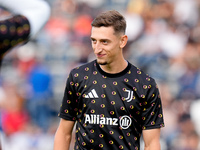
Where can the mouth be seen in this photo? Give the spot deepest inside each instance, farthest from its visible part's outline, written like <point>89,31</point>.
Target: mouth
<point>100,55</point>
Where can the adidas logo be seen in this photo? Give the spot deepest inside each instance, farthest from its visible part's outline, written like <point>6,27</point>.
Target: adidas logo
<point>92,94</point>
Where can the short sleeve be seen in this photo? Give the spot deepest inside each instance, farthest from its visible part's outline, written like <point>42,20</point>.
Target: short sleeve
<point>152,114</point>
<point>68,109</point>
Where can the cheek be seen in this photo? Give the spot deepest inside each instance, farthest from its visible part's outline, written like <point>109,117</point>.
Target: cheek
<point>116,48</point>
<point>111,52</point>
<point>93,46</point>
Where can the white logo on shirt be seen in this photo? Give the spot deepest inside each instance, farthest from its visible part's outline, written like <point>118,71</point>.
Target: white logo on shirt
<point>92,94</point>
<point>96,119</point>
<point>124,122</point>
<point>130,95</point>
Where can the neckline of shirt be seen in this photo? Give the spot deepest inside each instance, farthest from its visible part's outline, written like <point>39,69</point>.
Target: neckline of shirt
<point>113,75</point>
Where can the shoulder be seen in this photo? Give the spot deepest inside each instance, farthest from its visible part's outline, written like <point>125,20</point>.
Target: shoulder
<point>140,75</point>
<point>84,68</point>
<point>81,71</point>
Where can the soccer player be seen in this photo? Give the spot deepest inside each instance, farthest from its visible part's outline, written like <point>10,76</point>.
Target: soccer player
<point>28,17</point>
<point>111,101</point>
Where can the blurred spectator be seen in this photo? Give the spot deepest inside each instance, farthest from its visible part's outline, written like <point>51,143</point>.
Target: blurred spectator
<point>187,137</point>
<point>14,116</point>
<point>194,112</point>
<point>190,80</point>
<point>25,59</point>
<point>82,27</point>
<point>40,96</point>
<point>186,12</point>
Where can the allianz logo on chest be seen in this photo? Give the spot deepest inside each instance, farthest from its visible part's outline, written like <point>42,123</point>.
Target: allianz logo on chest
<point>124,122</point>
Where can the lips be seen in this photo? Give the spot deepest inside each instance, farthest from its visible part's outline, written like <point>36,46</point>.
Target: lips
<point>100,55</point>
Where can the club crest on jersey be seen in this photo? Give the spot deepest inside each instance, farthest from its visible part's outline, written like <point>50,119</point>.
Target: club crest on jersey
<point>124,121</point>
<point>130,95</point>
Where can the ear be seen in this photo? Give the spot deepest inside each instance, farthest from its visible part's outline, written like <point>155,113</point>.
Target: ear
<point>123,41</point>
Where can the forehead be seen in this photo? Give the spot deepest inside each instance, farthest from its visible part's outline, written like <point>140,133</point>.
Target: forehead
<point>102,32</point>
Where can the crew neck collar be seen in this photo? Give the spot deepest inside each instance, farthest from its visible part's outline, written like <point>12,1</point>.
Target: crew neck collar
<point>113,75</point>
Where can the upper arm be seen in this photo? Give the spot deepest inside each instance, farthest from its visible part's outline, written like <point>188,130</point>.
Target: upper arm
<point>66,126</point>
<point>63,135</point>
<point>152,139</point>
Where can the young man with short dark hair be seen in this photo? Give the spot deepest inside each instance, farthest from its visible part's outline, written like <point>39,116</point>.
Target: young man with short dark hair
<point>111,101</point>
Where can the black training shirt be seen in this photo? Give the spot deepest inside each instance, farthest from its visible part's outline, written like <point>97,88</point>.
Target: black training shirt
<point>111,110</point>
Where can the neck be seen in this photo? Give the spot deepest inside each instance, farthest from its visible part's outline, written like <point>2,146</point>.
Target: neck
<point>115,67</point>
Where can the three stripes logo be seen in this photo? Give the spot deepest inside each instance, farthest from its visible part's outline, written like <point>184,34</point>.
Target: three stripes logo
<point>92,94</point>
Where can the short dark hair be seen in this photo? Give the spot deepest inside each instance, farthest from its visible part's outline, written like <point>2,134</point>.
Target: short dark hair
<point>110,18</point>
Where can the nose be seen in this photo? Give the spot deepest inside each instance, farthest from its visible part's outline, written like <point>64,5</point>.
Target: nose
<point>97,47</point>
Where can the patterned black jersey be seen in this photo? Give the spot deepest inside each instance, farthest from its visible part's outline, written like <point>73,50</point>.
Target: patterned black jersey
<point>13,31</point>
<point>111,110</point>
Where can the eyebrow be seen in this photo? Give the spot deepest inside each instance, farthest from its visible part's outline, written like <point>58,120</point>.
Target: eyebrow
<point>92,38</point>
<point>100,39</point>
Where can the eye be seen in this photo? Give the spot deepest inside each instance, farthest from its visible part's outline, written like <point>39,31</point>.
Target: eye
<point>105,42</point>
<point>93,41</point>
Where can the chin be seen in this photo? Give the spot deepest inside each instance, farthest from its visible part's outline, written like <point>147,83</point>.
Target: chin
<point>101,62</point>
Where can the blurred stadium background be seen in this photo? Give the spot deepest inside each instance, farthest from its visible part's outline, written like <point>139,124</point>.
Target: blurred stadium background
<point>164,41</point>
